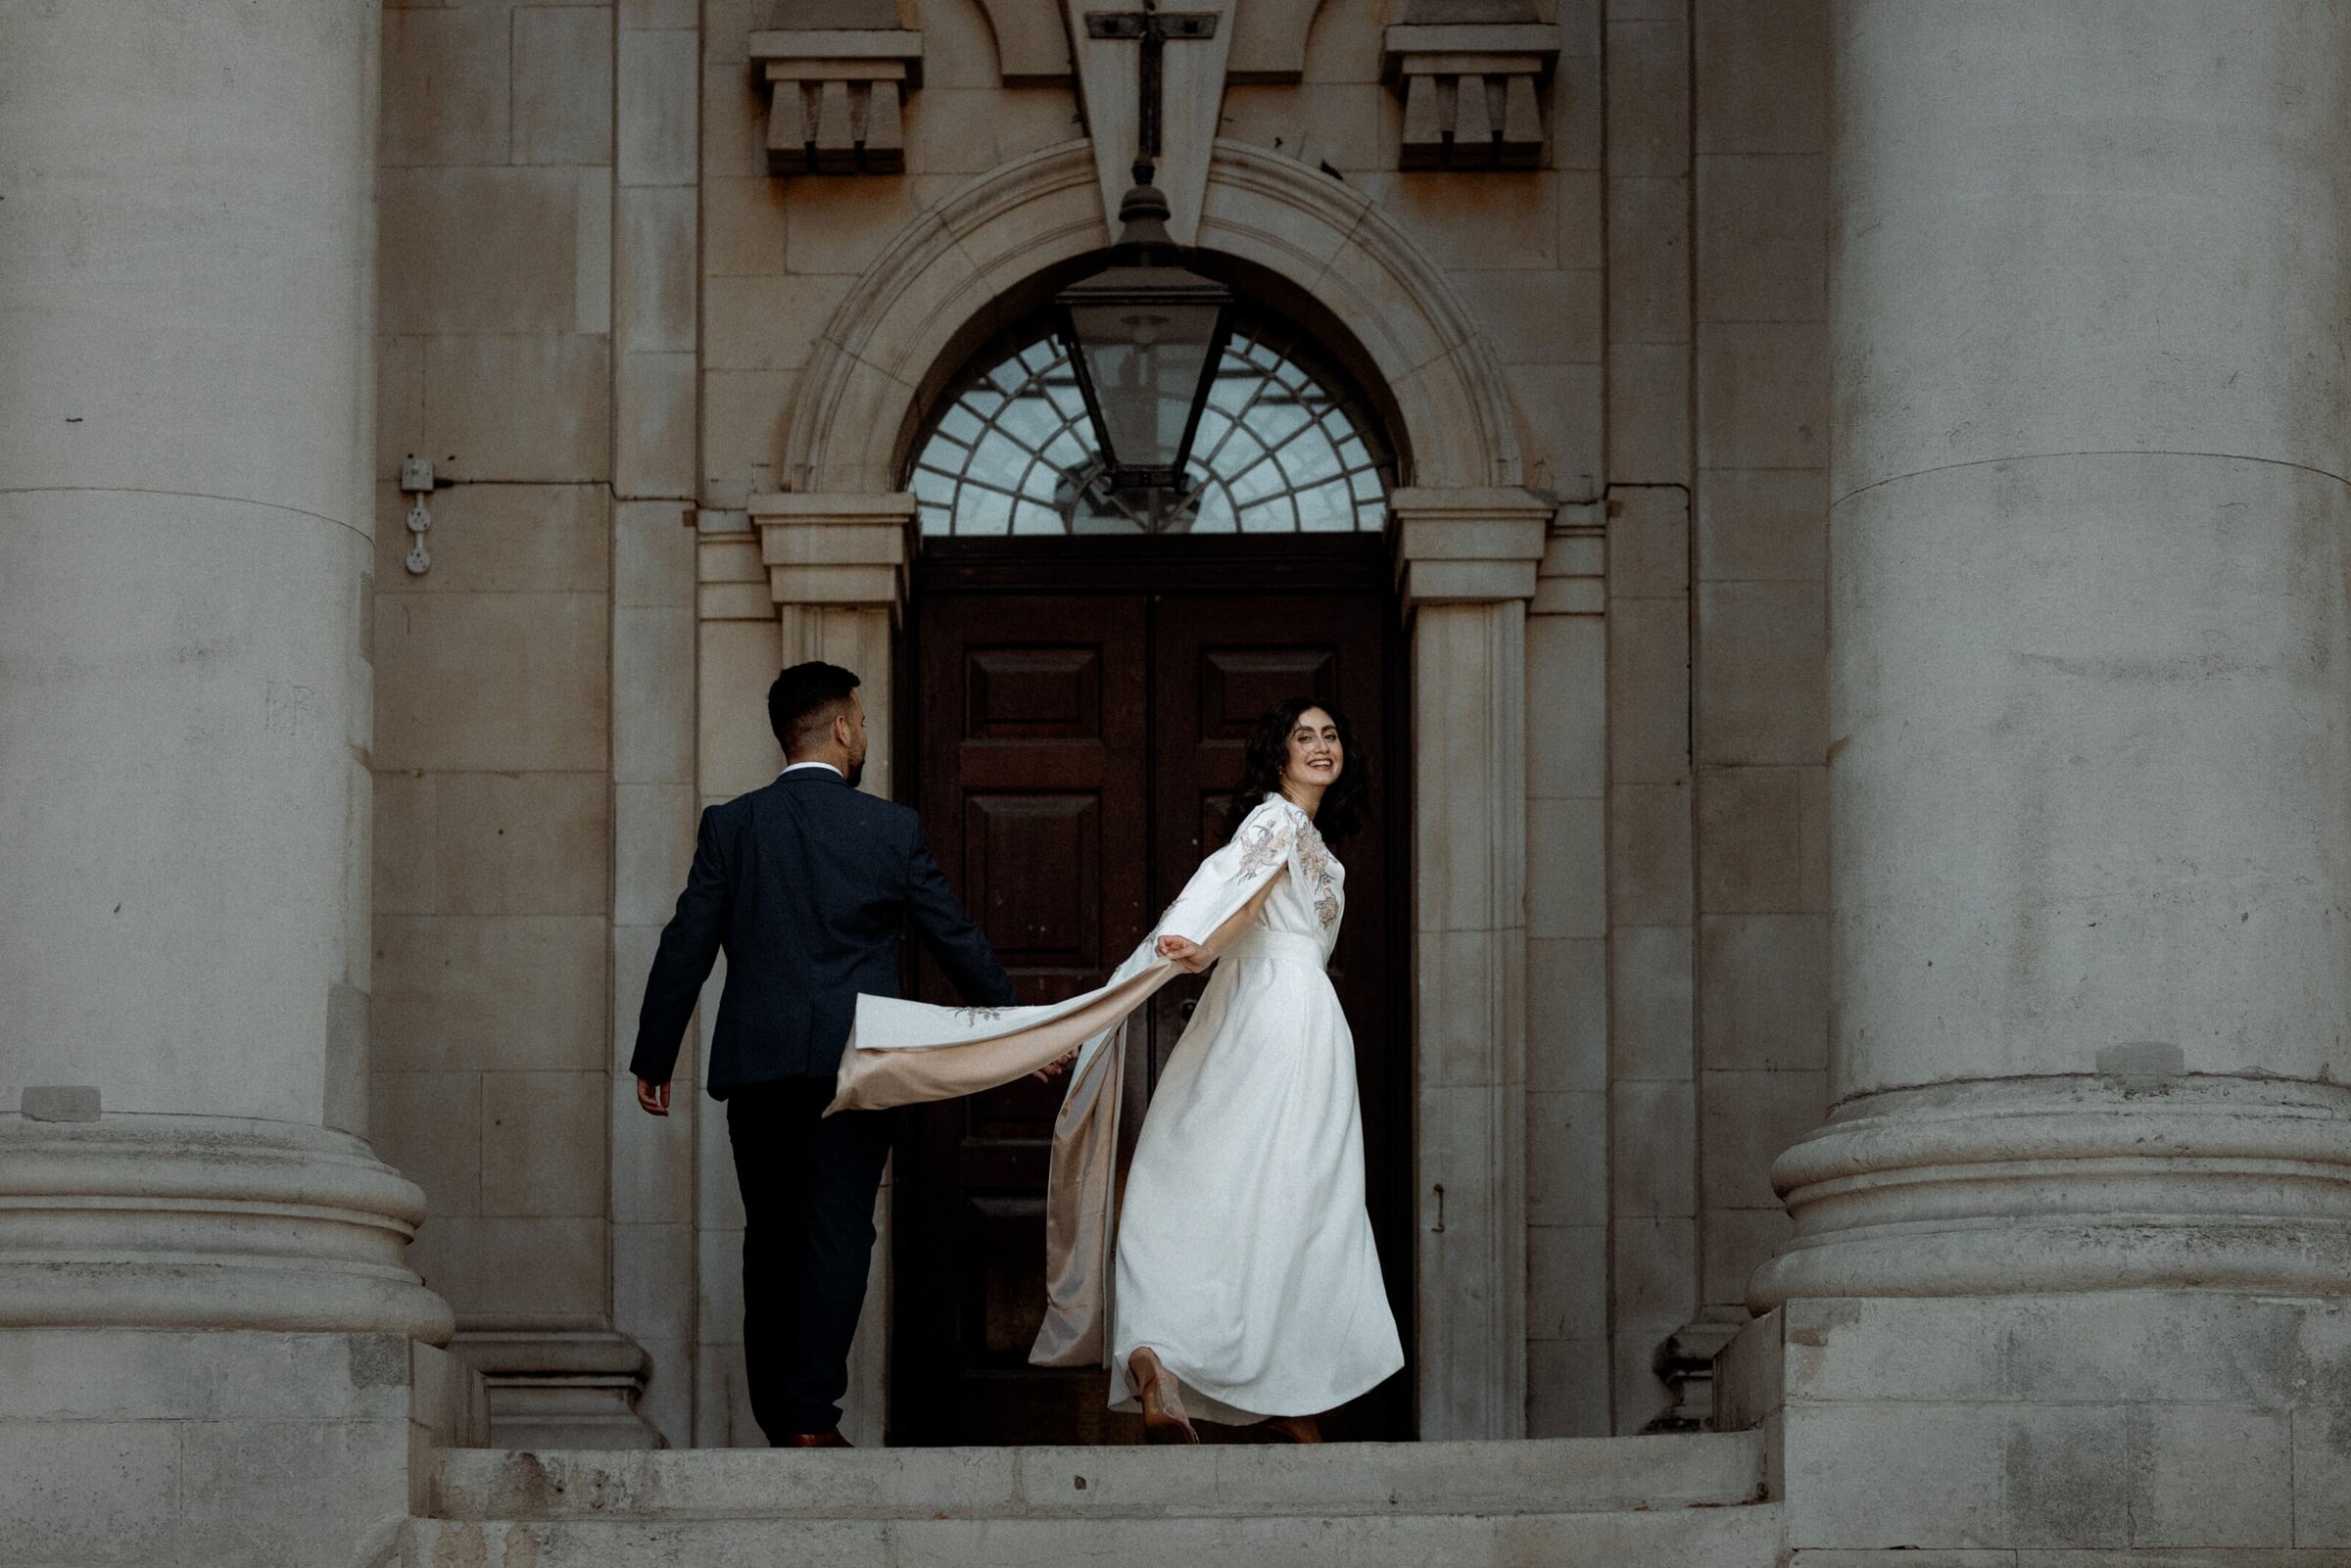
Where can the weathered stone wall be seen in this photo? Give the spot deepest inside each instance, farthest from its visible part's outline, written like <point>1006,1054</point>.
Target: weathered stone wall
<point>1760,87</point>
<point>493,737</point>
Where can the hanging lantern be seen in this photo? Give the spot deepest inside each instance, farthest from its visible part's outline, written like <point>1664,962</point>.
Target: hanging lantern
<point>1144,335</point>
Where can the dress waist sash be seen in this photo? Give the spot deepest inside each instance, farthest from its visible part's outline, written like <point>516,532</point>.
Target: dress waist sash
<point>1288,947</point>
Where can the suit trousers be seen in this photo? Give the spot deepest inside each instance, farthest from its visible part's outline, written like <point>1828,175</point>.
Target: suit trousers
<point>808,1184</point>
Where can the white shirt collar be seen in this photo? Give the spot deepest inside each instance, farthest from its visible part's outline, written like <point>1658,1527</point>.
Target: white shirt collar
<point>828,767</point>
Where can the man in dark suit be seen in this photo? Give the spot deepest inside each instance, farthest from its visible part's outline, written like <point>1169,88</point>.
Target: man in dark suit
<point>805,885</point>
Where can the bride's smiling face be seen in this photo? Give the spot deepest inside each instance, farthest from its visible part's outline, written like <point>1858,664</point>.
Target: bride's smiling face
<point>1315,758</point>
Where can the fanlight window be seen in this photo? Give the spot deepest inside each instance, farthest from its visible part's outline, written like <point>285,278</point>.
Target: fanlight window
<point>1281,450</point>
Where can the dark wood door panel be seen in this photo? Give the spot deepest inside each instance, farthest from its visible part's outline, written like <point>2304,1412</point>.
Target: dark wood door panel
<point>1219,663</point>
<point>1034,693</point>
<point>1034,863</point>
<point>1032,778</point>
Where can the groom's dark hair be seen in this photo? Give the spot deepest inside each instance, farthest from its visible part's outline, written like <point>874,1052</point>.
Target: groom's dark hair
<point>805,699</point>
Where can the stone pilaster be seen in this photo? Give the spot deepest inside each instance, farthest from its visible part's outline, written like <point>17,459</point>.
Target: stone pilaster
<point>797,577</point>
<point>2090,825</point>
<point>1466,564</point>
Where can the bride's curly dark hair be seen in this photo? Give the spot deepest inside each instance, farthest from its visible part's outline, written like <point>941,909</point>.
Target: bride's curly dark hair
<point>1342,808</point>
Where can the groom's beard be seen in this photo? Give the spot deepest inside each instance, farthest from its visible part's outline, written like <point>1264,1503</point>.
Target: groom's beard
<point>857,774</point>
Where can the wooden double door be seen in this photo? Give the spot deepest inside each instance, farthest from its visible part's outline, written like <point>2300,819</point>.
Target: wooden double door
<point>1076,754</point>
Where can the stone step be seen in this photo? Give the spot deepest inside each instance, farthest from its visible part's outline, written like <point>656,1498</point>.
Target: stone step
<point>1333,1482</point>
<point>1721,1536</point>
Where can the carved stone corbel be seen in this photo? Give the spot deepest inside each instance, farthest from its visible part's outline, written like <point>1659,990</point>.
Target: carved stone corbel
<point>837,77</point>
<point>1469,91</point>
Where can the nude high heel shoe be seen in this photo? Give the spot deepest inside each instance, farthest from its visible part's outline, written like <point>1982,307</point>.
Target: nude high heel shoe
<point>1164,1418</point>
<point>1294,1428</point>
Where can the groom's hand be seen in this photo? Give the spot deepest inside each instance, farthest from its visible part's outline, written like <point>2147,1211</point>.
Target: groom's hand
<point>653,1098</point>
<point>1054,1068</point>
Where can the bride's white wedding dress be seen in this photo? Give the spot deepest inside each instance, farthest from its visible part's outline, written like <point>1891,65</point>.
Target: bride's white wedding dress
<point>1243,1255</point>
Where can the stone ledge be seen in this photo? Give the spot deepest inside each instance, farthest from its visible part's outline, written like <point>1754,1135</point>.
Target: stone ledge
<point>1558,1476</point>
<point>1718,1538</point>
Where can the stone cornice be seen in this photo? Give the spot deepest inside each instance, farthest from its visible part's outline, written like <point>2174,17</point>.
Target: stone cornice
<point>845,550</point>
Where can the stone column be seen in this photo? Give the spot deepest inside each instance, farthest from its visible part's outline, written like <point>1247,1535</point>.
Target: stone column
<point>2064,1248</point>
<point>209,1336</point>
<point>186,403</point>
<point>1467,566</point>
<point>2090,705</point>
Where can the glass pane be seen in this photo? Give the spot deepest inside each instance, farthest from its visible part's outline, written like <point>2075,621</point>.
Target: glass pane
<point>983,512</point>
<point>1212,513</point>
<point>1325,509</point>
<point>1269,517</point>
<point>1279,449</point>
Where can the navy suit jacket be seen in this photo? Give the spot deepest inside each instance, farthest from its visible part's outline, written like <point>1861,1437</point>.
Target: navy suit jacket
<point>805,885</point>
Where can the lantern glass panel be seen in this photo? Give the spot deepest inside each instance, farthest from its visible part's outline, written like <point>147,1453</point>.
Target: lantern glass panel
<point>1146,361</point>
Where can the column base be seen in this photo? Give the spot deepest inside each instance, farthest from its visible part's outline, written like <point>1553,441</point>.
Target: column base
<point>560,1387</point>
<point>2109,1424</point>
<point>203,1223</point>
<point>2009,1186</point>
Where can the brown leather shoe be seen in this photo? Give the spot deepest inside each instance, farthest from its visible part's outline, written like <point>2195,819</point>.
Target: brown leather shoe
<point>816,1439</point>
<point>1164,1417</point>
<point>1294,1428</point>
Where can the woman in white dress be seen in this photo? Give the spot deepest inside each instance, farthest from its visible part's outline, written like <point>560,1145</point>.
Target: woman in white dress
<point>1238,1277</point>
<point>1248,1287</point>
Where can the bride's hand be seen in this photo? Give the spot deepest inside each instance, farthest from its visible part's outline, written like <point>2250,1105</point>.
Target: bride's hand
<point>1188,955</point>
<point>1054,1068</point>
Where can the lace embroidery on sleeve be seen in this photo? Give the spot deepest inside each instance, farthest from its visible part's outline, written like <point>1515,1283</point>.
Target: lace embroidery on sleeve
<point>1314,860</point>
<point>1264,846</point>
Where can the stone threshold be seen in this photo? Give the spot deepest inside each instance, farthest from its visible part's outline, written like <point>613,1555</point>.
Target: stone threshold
<point>1499,1478</point>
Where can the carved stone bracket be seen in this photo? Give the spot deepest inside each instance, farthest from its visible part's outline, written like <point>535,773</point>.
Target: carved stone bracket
<point>835,97</point>
<point>1469,91</point>
<point>844,551</point>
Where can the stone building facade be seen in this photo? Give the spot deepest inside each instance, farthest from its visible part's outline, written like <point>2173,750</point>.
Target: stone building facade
<point>1859,617</point>
<point>612,308</point>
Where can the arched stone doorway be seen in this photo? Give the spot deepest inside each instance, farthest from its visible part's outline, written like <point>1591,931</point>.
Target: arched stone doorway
<point>1083,668</point>
<point>827,564</point>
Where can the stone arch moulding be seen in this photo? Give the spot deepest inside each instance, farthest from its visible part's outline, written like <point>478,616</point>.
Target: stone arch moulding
<point>854,409</point>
